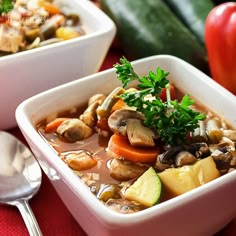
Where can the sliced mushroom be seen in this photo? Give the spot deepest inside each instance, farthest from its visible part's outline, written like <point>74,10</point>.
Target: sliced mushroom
<point>224,146</point>
<point>138,134</point>
<point>108,103</point>
<point>123,170</point>
<point>224,155</point>
<point>176,156</point>
<point>168,157</point>
<point>96,98</point>
<point>73,130</point>
<point>89,116</point>
<point>199,150</point>
<point>118,119</point>
<point>184,158</point>
<point>159,166</point>
<point>222,159</point>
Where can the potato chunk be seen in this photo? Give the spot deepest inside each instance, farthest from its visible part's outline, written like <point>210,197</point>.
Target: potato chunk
<point>183,179</point>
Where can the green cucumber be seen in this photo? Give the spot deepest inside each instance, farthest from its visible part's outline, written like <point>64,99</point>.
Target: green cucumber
<point>146,190</point>
<point>149,27</point>
<point>193,14</point>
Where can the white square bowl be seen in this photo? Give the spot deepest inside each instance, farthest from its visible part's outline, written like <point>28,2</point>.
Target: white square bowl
<point>27,73</point>
<point>202,211</point>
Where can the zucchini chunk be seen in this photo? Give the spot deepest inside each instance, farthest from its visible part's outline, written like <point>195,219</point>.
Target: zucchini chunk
<point>146,190</point>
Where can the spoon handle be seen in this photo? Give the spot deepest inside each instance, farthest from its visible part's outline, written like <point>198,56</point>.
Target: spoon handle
<point>29,218</point>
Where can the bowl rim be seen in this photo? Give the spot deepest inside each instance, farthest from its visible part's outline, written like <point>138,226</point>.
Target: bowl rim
<point>82,192</point>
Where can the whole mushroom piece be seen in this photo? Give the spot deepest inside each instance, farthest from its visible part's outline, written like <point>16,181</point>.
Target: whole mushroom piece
<point>89,116</point>
<point>128,122</point>
<point>117,121</point>
<point>73,130</point>
<point>123,170</point>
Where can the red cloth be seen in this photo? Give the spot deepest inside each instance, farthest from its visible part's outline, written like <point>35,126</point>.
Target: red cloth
<point>50,212</point>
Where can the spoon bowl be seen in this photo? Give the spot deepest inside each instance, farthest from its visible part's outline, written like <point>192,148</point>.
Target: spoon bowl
<point>20,178</point>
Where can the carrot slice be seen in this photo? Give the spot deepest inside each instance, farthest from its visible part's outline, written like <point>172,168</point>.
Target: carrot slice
<point>49,7</point>
<point>120,145</point>
<point>118,105</point>
<point>53,125</point>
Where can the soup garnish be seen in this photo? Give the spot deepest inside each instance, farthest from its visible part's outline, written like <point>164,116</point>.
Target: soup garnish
<point>6,6</point>
<point>171,119</point>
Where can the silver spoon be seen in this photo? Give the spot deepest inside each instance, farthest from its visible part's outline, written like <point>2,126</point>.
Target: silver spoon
<point>20,178</point>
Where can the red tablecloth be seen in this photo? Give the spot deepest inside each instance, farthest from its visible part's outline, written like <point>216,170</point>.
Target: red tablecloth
<point>51,214</point>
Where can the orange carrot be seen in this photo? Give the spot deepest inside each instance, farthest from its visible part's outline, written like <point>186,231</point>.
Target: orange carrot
<point>118,105</point>
<point>53,125</point>
<point>49,7</point>
<point>120,145</point>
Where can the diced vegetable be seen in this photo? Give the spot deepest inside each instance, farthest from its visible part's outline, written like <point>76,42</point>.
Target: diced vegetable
<point>146,190</point>
<point>120,145</point>
<point>66,33</point>
<point>118,105</point>
<point>183,179</point>
<point>49,7</point>
<point>79,160</point>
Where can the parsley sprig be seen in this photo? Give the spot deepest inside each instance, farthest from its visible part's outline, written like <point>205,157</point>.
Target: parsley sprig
<point>6,6</point>
<point>171,119</point>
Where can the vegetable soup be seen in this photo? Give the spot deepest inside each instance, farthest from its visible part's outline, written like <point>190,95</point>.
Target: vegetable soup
<point>28,24</point>
<point>137,147</point>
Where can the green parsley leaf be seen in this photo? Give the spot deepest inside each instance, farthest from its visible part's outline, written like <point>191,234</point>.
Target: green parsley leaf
<point>125,72</point>
<point>172,120</point>
<point>6,6</point>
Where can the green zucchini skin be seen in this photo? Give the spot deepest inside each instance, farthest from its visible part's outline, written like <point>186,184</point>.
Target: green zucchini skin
<point>149,27</point>
<point>193,14</point>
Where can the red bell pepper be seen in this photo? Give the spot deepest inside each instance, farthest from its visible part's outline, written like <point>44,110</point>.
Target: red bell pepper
<point>220,39</point>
